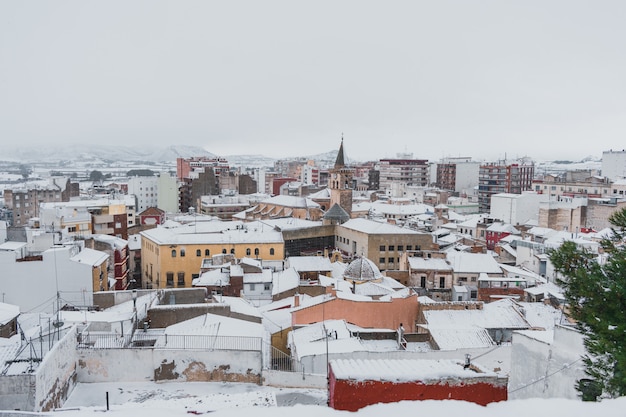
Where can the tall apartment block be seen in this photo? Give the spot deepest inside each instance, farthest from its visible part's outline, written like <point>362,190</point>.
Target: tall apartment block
<point>501,177</point>
<point>458,174</point>
<point>614,164</point>
<point>185,166</point>
<point>409,172</point>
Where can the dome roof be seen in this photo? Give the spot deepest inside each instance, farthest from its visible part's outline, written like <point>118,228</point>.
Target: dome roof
<point>362,270</point>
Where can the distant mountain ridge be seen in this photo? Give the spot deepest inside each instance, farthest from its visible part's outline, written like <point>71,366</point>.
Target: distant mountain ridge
<point>83,152</point>
<point>52,153</point>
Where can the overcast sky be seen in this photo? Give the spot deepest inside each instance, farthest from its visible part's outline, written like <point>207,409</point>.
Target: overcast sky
<point>487,79</point>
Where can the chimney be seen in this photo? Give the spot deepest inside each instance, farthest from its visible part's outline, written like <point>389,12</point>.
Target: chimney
<point>296,300</point>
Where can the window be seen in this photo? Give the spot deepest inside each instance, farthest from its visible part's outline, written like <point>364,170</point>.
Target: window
<point>169,279</point>
<point>266,287</point>
<point>247,251</point>
<point>442,282</point>
<point>271,251</point>
<point>232,251</point>
<point>390,260</point>
<point>251,287</point>
<point>173,253</point>
<point>423,282</point>
<point>181,279</point>
<point>194,276</point>
<point>256,251</point>
<point>381,261</point>
<point>207,252</point>
<point>409,247</point>
<point>182,253</point>
<point>224,251</point>
<point>198,252</point>
<point>391,248</point>
<point>400,248</point>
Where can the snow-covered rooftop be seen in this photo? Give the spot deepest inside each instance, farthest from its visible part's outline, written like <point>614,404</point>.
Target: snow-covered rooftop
<point>402,370</point>
<point>464,262</point>
<point>285,280</point>
<point>431,264</point>
<point>502,314</point>
<point>90,257</point>
<point>309,263</point>
<point>8,312</point>
<point>379,228</point>
<point>219,233</point>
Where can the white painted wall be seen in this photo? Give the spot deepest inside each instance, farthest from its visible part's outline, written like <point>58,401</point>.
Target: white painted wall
<point>49,386</point>
<point>135,365</point>
<point>614,164</point>
<point>466,177</point>
<point>167,198</point>
<point>517,209</point>
<point>33,285</point>
<point>542,370</point>
<point>56,375</point>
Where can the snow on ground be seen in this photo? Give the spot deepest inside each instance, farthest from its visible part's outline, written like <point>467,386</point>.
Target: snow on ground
<point>174,399</point>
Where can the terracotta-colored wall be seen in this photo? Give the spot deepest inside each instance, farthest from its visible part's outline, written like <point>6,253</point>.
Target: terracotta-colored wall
<point>368,314</point>
<point>352,395</point>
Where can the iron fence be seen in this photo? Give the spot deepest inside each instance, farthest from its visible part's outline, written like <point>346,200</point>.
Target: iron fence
<point>168,341</point>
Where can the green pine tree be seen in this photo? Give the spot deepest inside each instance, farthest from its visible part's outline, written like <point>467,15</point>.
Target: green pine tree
<point>596,295</point>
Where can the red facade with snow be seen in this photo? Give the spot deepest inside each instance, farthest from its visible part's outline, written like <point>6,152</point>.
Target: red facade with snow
<point>353,394</point>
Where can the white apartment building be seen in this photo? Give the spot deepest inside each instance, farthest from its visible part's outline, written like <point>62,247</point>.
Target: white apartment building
<point>517,208</point>
<point>145,190</point>
<point>458,174</point>
<point>405,172</point>
<point>614,164</point>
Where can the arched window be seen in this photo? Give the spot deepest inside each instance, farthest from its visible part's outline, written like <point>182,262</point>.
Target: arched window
<point>232,251</point>
<point>224,251</point>
<point>182,252</point>
<point>271,251</point>
<point>207,252</point>
<point>256,251</point>
<point>173,253</point>
<point>198,252</point>
<point>248,252</point>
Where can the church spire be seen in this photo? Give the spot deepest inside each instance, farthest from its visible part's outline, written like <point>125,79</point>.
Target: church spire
<point>339,162</point>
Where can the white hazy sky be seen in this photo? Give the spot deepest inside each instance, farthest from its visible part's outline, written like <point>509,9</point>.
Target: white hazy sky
<point>485,78</point>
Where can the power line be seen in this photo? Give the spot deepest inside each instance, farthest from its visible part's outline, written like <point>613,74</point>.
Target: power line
<point>547,376</point>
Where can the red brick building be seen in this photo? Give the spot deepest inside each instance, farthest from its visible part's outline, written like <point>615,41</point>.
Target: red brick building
<point>354,384</point>
<point>151,216</point>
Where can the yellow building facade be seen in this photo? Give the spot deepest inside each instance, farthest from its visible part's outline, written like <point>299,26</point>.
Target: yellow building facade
<point>172,257</point>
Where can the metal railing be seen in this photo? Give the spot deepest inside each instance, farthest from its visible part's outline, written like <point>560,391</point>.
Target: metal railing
<point>165,341</point>
<point>280,361</point>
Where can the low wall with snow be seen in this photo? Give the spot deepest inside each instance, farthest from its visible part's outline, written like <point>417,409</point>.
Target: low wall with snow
<point>546,370</point>
<point>294,379</point>
<point>129,365</point>
<point>49,386</point>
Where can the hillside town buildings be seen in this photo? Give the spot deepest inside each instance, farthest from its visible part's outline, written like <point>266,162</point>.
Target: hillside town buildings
<point>278,287</point>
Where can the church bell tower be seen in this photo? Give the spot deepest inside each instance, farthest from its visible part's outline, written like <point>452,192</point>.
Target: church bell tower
<point>341,183</point>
